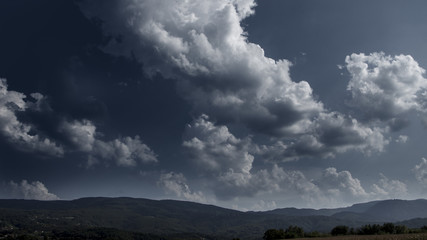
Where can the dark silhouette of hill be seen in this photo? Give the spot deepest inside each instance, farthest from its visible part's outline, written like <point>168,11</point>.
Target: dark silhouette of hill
<point>173,218</point>
<point>386,210</point>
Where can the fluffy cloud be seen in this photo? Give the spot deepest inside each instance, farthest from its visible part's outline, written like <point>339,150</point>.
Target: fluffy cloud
<point>73,135</point>
<point>385,87</point>
<point>34,190</point>
<point>228,160</point>
<point>226,165</point>
<point>224,76</point>
<point>18,134</point>
<point>333,132</point>
<point>202,45</point>
<point>216,149</point>
<point>177,184</point>
<point>402,139</point>
<point>125,151</point>
<point>386,188</point>
<point>81,134</point>
<point>341,184</point>
<point>420,171</point>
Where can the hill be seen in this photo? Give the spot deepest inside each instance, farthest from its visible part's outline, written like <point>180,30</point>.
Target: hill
<point>170,218</point>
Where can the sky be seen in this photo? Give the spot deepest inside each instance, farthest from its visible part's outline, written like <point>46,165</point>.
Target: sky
<point>244,104</point>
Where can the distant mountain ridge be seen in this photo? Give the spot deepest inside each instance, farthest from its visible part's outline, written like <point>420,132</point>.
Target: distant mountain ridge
<point>169,217</point>
<point>386,210</point>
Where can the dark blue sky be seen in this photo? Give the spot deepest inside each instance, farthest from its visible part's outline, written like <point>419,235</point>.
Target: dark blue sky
<point>243,104</point>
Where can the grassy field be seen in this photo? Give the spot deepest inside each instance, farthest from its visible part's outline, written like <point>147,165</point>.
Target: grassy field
<point>413,236</point>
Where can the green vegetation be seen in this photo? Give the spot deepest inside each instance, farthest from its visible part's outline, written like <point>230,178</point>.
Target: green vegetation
<point>127,218</point>
<point>341,230</point>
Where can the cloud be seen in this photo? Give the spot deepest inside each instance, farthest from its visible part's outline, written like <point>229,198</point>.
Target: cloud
<point>333,133</point>
<point>125,151</point>
<point>385,87</point>
<point>215,148</point>
<point>81,134</point>
<point>420,171</point>
<point>225,76</point>
<point>221,74</point>
<point>23,136</point>
<point>341,184</point>
<point>33,190</point>
<point>68,135</point>
<point>176,183</point>
<point>227,161</point>
<point>402,139</point>
<point>262,205</point>
<point>386,188</point>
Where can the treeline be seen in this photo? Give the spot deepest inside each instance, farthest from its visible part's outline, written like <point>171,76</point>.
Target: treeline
<point>374,229</point>
<point>290,232</point>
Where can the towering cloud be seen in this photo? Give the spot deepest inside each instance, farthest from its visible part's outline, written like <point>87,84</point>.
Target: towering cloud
<point>202,45</point>
<point>225,76</point>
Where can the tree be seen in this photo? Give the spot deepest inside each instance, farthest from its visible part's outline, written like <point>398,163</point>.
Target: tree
<point>339,230</point>
<point>401,229</point>
<point>369,229</point>
<point>388,228</point>
<point>272,234</point>
<point>294,232</point>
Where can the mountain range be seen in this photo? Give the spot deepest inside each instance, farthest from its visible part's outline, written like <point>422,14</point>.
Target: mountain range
<point>174,219</point>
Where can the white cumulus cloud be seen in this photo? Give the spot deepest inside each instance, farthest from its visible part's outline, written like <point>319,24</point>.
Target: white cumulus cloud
<point>342,184</point>
<point>31,190</point>
<point>386,188</point>
<point>420,171</point>
<point>202,45</point>
<point>385,87</point>
<point>17,133</point>
<point>124,151</point>
<point>176,183</point>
